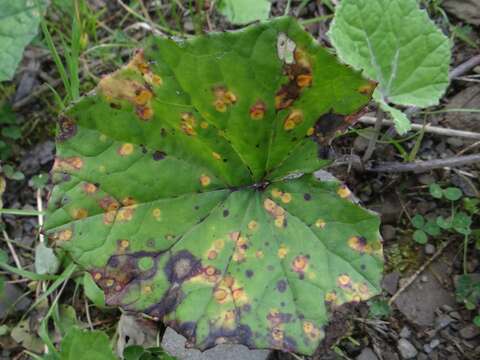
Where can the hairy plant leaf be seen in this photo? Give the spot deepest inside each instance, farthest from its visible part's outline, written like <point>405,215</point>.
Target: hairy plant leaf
<point>19,22</point>
<point>395,43</point>
<point>86,345</point>
<point>175,188</point>
<point>246,11</point>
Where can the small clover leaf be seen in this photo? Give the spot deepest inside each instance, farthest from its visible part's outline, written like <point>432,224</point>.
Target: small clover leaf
<point>445,224</point>
<point>436,191</point>
<point>418,221</point>
<point>420,237</point>
<point>452,193</point>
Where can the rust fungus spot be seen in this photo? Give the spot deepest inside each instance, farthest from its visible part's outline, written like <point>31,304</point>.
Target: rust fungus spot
<point>126,149</point>
<point>109,282</point>
<point>331,297</point>
<point>286,198</point>
<point>257,111</point>
<point>343,192</point>
<point>125,213</point>
<point>123,244</point>
<point>282,251</point>
<point>368,89</point>
<point>212,255</point>
<point>310,131</point>
<point>304,80</point>
<point>144,112</point>
<point>188,123</point>
<point>359,243</point>
<point>90,188</point>
<point>223,98</point>
<point>68,164</point>
<point>157,213</point>
<point>108,203</point>
<point>216,156</point>
<point>205,180</point>
<point>320,223</point>
<point>259,254</point>
<point>300,263</point>
<point>276,193</point>
<point>204,125</point>
<point>228,281</point>
<point>344,281</point>
<point>219,244</point>
<point>147,289</point>
<point>253,225</point>
<point>153,79</point>
<point>220,295</point>
<point>65,235</point>
<point>293,119</point>
<point>97,276</point>
<point>142,97</point>
<point>78,214</point>
<point>128,201</point>
<point>67,128</point>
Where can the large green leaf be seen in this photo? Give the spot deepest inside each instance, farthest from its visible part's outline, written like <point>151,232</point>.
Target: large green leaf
<point>173,188</point>
<point>86,345</point>
<point>19,20</point>
<point>395,43</point>
<point>245,11</point>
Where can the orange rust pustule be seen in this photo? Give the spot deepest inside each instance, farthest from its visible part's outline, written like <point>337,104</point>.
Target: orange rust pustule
<point>67,129</point>
<point>300,77</point>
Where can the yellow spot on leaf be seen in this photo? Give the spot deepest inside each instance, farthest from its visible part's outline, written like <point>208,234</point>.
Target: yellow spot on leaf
<point>343,280</point>
<point>276,193</point>
<point>145,112</point>
<point>79,214</point>
<point>219,244</point>
<point>259,254</point>
<point>253,225</point>
<point>330,297</point>
<point>216,156</point>
<point>282,251</point>
<point>204,125</point>
<point>65,235</point>
<point>257,111</point>
<point>124,244</point>
<point>188,124</point>
<point>280,221</point>
<point>293,119</point>
<point>310,131</point>
<point>97,276</point>
<point>320,223</point>
<point>304,80</point>
<point>89,188</point>
<point>143,97</point>
<point>220,295</point>
<point>157,213</point>
<point>205,180</point>
<point>109,282</point>
<point>286,198</point>
<point>147,289</point>
<point>126,149</point>
<point>103,138</point>
<point>343,192</point>
<point>300,263</point>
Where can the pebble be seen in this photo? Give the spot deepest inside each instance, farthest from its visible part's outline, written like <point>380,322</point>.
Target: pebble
<point>455,142</point>
<point>469,332</point>
<point>429,249</point>
<point>367,354</point>
<point>442,322</point>
<point>390,282</point>
<point>360,144</point>
<point>389,232</point>
<point>456,315</point>
<point>406,349</point>
<point>424,278</point>
<point>405,332</point>
<point>434,343</point>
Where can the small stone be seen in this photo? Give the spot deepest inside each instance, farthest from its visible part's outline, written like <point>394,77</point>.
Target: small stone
<point>367,354</point>
<point>405,332</point>
<point>442,322</point>
<point>447,308</point>
<point>429,249</point>
<point>390,282</point>
<point>424,278</point>
<point>456,315</point>
<point>455,142</point>
<point>426,179</point>
<point>360,144</point>
<point>422,356</point>
<point>469,332</point>
<point>406,349</point>
<point>427,349</point>
<point>389,232</point>
<point>434,343</point>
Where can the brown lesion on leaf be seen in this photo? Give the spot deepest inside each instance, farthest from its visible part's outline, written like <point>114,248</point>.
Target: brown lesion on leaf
<point>110,207</point>
<point>61,236</point>
<point>277,212</point>
<point>139,63</point>
<point>257,111</point>
<point>240,334</point>
<point>223,98</point>
<point>67,128</point>
<point>68,164</point>
<point>188,124</point>
<point>300,77</point>
<point>293,119</point>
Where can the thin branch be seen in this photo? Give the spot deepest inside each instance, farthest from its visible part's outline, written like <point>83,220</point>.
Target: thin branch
<point>369,120</point>
<point>418,272</point>
<point>465,67</point>
<point>376,133</point>
<point>423,166</point>
<point>12,250</point>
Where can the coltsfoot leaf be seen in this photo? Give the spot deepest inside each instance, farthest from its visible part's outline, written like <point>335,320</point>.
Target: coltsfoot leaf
<point>175,188</point>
